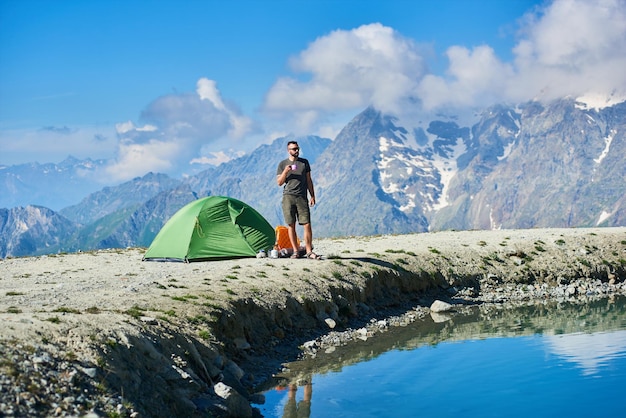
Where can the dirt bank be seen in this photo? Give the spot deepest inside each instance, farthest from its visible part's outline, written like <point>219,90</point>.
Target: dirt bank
<point>152,339</point>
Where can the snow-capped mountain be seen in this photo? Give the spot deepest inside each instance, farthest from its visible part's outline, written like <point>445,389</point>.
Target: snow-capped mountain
<point>558,164</point>
<point>54,186</point>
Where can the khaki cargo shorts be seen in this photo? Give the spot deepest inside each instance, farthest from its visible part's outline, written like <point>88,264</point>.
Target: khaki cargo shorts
<point>296,207</point>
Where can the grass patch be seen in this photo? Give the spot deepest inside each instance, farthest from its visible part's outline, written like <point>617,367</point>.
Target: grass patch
<point>136,312</point>
<point>198,319</point>
<point>65,309</point>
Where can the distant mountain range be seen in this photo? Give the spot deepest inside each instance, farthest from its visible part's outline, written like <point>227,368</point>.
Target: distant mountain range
<point>532,165</point>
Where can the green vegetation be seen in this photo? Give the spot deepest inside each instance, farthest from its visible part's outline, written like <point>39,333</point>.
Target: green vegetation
<point>65,309</point>
<point>135,311</point>
<point>184,298</point>
<point>14,293</point>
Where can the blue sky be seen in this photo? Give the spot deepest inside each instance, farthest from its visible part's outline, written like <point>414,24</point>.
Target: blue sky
<point>155,85</point>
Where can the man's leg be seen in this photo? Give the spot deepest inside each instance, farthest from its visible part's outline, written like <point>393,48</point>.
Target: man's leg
<point>308,237</point>
<point>293,238</point>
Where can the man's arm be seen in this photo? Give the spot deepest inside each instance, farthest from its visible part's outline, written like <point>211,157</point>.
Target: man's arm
<point>309,182</point>
<point>282,177</point>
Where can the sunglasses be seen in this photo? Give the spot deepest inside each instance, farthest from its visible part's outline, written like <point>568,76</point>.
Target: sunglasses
<point>294,149</point>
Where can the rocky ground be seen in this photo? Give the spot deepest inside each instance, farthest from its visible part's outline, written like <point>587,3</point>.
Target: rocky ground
<point>106,334</point>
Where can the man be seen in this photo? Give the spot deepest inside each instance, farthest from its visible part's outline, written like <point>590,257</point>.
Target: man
<point>295,174</point>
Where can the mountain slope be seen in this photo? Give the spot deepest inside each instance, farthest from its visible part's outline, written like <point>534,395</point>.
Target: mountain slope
<point>32,230</point>
<point>115,198</point>
<point>352,199</point>
<point>565,168</point>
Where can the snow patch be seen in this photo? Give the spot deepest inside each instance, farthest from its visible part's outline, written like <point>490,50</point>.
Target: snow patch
<point>603,217</point>
<point>598,101</point>
<point>507,151</point>
<point>492,222</point>
<point>607,145</point>
<point>447,168</point>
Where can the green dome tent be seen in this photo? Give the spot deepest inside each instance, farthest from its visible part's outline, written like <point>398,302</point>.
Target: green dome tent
<point>214,227</point>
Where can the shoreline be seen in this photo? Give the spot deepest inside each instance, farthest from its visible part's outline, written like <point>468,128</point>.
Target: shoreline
<point>200,336</point>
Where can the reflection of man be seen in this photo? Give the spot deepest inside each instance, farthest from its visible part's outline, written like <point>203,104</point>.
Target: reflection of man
<point>303,408</point>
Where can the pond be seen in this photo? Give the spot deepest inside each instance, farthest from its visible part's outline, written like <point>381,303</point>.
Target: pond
<point>542,360</point>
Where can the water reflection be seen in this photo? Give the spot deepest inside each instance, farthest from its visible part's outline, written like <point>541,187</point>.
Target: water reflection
<point>301,409</point>
<point>387,374</point>
<point>589,351</point>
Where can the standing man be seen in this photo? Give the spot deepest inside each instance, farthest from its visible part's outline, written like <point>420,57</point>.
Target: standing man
<point>295,174</point>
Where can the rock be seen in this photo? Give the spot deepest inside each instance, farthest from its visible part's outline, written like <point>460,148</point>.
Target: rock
<point>232,368</point>
<point>236,404</point>
<point>439,318</point>
<point>242,344</point>
<point>89,371</point>
<point>330,322</point>
<point>148,320</point>
<point>440,306</point>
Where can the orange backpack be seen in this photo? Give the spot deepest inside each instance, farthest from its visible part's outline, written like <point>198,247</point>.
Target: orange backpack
<point>282,238</point>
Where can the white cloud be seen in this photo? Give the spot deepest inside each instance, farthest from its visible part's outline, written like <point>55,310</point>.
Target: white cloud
<point>568,47</point>
<point>175,130</point>
<point>574,47</point>
<point>217,157</point>
<point>54,144</point>
<point>571,47</point>
<point>475,77</point>
<point>372,64</point>
<point>138,159</point>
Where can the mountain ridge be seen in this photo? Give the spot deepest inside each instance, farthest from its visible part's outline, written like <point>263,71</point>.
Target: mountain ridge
<point>556,164</point>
